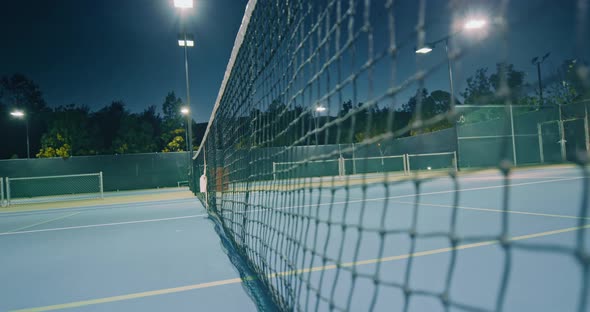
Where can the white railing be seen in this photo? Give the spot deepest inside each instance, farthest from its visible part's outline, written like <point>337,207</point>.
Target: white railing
<point>422,162</point>
<point>54,188</point>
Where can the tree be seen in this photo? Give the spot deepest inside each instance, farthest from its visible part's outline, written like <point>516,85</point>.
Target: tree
<point>431,105</point>
<point>479,88</point>
<point>69,133</point>
<point>171,107</point>
<point>19,92</point>
<point>54,146</point>
<point>514,80</point>
<point>136,135</point>
<point>108,121</point>
<point>150,116</point>
<point>572,84</point>
<point>172,124</point>
<point>177,143</point>
<point>484,90</point>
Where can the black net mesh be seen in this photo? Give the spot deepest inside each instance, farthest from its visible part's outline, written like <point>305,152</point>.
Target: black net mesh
<point>299,159</point>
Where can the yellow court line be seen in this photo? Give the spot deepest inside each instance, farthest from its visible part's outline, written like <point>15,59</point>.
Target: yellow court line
<point>292,272</point>
<point>43,222</point>
<point>131,296</point>
<point>494,210</point>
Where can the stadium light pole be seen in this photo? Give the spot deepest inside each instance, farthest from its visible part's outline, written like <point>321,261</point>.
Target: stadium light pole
<point>469,25</point>
<point>185,111</point>
<point>319,109</point>
<point>21,115</point>
<point>185,41</point>
<point>538,61</point>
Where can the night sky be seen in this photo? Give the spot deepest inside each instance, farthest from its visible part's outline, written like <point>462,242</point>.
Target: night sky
<point>93,52</point>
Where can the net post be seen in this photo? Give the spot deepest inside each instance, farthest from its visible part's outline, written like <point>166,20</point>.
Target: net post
<point>341,166</point>
<point>455,161</point>
<point>101,185</point>
<point>540,134</point>
<point>408,163</point>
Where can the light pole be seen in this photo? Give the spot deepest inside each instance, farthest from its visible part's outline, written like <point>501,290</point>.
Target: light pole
<point>21,115</point>
<point>319,109</point>
<point>185,41</point>
<point>470,24</point>
<point>538,61</point>
<point>185,111</point>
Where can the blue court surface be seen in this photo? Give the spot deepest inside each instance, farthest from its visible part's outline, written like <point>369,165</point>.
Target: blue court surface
<point>166,255</point>
<point>57,257</point>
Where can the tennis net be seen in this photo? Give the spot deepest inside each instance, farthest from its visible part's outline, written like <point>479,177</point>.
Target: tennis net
<point>307,76</point>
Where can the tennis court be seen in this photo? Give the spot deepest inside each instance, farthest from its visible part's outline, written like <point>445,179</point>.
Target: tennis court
<point>359,156</point>
<point>163,255</point>
<point>122,247</point>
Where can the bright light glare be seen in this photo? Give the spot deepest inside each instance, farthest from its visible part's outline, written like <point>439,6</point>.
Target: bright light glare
<point>184,110</point>
<point>320,109</point>
<point>429,168</point>
<point>189,43</point>
<point>475,24</point>
<point>424,50</point>
<point>183,4</point>
<point>17,113</point>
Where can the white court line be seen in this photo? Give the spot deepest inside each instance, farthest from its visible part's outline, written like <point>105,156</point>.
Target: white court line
<point>284,208</point>
<point>101,225</point>
<point>494,210</point>
<point>43,222</point>
<point>512,178</point>
<point>288,273</point>
<point>435,193</point>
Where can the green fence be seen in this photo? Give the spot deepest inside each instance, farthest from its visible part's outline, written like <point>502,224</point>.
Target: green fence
<point>120,172</point>
<point>521,134</point>
<point>485,136</point>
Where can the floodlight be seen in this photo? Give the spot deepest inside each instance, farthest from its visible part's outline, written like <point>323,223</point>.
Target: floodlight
<point>183,4</point>
<point>424,50</point>
<point>475,24</point>
<point>18,113</point>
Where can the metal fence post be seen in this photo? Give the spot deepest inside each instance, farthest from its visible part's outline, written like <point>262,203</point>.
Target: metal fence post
<point>1,192</point>
<point>513,139</point>
<point>101,185</point>
<point>586,134</point>
<point>541,152</point>
<point>7,191</point>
